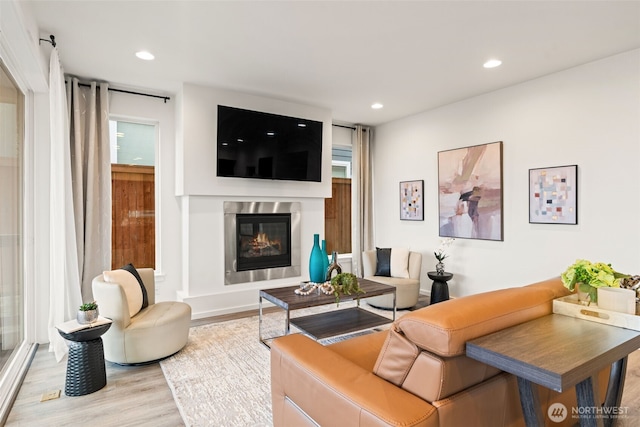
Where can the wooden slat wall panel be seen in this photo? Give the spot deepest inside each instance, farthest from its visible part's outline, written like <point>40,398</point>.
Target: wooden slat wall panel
<point>337,216</point>
<point>133,216</point>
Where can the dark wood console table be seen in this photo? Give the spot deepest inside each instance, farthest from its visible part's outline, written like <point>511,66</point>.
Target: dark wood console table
<point>559,352</point>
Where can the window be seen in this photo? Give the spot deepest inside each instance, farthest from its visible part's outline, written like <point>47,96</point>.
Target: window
<point>337,209</point>
<point>340,169</point>
<point>11,214</point>
<point>133,193</point>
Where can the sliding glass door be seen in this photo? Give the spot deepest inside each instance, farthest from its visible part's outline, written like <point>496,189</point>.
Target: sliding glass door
<point>11,214</point>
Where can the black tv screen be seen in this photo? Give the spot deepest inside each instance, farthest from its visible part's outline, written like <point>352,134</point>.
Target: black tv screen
<point>253,144</point>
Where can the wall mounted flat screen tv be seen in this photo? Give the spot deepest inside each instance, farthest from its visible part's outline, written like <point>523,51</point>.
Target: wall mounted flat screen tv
<point>253,144</point>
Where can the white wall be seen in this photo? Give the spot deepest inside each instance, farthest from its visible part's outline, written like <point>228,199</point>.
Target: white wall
<point>588,115</point>
<point>202,195</point>
<point>198,111</point>
<point>342,136</point>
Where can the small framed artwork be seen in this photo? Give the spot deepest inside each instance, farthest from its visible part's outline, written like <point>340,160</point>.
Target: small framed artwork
<point>553,195</point>
<point>412,200</point>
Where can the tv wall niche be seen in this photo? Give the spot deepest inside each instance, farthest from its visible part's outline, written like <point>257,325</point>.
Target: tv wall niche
<point>254,144</point>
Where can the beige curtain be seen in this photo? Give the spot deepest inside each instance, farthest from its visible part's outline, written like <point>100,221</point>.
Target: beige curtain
<point>91,178</point>
<point>362,193</point>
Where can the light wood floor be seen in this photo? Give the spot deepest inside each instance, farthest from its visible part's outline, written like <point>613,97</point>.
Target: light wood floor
<point>133,396</point>
<point>140,396</point>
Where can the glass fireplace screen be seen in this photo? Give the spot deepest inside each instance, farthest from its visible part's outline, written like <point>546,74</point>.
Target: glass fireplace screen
<point>263,241</point>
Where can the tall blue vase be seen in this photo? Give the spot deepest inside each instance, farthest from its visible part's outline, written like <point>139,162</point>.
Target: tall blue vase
<point>316,265</point>
<point>325,259</point>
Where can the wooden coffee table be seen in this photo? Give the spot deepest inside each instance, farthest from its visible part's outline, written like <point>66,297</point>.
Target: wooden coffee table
<point>329,324</point>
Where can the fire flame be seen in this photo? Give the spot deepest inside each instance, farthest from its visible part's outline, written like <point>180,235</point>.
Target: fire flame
<point>261,240</point>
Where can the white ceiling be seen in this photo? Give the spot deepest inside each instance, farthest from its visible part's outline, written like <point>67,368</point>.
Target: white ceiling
<point>341,55</point>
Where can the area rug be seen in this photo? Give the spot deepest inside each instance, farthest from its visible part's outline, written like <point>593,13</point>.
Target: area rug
<point>222,376</point>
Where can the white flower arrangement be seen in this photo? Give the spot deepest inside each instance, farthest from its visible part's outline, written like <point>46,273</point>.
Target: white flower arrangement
<point>441,254</point>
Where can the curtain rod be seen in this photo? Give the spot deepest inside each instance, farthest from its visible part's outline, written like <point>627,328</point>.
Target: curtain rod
<point>52,40</point>
<point>165,98</point>
<point>343,126</point>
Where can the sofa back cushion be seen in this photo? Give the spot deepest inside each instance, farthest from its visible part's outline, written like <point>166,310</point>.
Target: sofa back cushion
<point>444,328</point>
<point>400,263</point>
<point>425,350</point>
<point>383,262</point>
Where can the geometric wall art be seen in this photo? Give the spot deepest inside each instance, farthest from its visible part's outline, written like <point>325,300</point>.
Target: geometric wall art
<point>553,195</point>
<point>412,200</point>
<point>470,192</point>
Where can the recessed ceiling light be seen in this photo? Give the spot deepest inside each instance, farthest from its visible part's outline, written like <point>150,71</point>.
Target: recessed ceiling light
<point>143,54</point>
<point>270,133</point>
<point>492,63</point>
<point>377,106</point>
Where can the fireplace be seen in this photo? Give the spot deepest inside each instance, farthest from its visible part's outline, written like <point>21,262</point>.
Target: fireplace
<point>262,241</point>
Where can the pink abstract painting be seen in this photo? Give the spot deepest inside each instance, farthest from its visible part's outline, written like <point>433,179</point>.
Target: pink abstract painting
<point>470,192</point>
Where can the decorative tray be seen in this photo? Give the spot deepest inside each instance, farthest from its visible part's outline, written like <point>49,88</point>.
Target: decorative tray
<point>569,306</point>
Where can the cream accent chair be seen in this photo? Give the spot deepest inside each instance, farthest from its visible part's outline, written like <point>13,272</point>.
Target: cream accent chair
<point>407,289</point>
<point>155,332</point>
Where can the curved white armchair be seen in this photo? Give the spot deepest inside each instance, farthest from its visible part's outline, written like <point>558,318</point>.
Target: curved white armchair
<point>407,288</point>
<point>154,332</point>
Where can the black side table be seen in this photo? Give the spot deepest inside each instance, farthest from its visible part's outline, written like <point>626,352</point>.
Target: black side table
<point>439,289</point>
<point>86,371</point>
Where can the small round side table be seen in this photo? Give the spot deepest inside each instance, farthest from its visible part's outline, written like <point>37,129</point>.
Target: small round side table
<point>86,371</point>
<point>439,288</point>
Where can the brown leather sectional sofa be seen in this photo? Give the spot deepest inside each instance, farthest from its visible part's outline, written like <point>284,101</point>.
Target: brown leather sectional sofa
<point>416,373</point>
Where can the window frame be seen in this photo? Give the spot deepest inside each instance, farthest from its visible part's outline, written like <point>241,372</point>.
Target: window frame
<point>17,363</point>
<point>344,164</point>
<point>158,270</point>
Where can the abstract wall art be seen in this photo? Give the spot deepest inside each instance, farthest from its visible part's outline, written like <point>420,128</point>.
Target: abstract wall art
<point>470,192</point>
<point>553,195</point>
<point>412,200</point>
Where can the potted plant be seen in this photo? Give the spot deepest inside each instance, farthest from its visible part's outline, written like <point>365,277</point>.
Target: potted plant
<point>346,284</point>
<point>587,277</point>
<point>441,255</point>
<point>87,313</point>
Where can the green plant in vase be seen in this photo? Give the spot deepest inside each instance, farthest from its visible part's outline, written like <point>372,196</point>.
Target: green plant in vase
<point>590,276</point>
<point>88,306</point>
<point>346,284</point>
<point>87,313</point>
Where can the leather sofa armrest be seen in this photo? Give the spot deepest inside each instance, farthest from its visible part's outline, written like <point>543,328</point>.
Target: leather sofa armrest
<point>334,391</point>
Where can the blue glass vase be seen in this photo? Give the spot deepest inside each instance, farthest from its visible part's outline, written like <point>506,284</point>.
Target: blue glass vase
<point>316,264</point>
<point>325,259</point>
